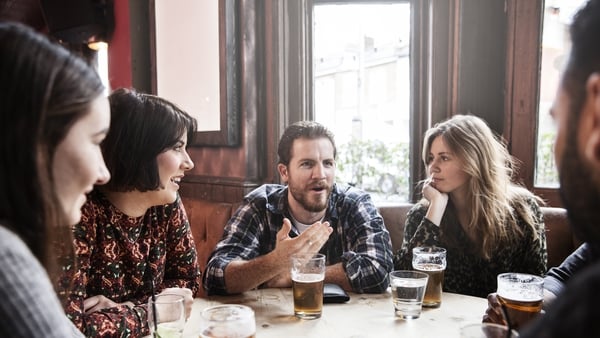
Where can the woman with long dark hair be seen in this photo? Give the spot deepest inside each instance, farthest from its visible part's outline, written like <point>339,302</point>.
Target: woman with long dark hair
<point>53,117</point>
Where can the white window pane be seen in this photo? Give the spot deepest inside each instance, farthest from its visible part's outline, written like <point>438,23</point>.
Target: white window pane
<point>555,49</point>
<point>362,92</point>
<point>103,68</point>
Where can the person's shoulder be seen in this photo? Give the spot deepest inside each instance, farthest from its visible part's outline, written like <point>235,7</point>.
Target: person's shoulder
<point>349,192</point>
<point>266,192</point>
<point>522,196</point>
<point>416,213</point>
<point>418,208</point>
<point>589,252</point>
<point>9,239</point>
<point>167,211</point>
<point>11,244</point>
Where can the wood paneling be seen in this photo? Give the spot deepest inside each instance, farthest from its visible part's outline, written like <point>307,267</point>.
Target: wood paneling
<point>524,29</point>
<point>223,173</point>
<point>216,189</point>
<point>482,61</point>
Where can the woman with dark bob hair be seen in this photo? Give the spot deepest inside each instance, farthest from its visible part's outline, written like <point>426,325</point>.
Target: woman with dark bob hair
<point>53,117</point>
<point>134,236</point>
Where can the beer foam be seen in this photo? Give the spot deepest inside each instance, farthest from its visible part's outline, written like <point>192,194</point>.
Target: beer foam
<point>521,295</point>
<point>429,267</point>
<point>307,277</point>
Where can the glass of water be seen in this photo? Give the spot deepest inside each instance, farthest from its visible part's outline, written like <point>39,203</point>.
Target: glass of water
<point>408,289</point>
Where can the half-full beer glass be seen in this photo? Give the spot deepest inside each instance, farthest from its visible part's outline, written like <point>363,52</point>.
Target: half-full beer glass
<point>432,261</point>
<point>308,273</point>
<point>522,295</point>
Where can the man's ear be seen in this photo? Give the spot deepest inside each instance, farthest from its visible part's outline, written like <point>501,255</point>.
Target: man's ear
<point>592,144</point>
<point>283,172</point>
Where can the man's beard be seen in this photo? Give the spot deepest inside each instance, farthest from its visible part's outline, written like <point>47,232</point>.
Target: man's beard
<point>579,190</point>
<point>300,195</point>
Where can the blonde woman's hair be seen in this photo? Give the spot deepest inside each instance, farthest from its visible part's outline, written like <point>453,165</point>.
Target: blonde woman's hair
<point>496,201</point>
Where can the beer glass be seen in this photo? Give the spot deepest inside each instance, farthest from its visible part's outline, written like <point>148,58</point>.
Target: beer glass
<point>521,295</point>
<point>408,289</point>
<point>227,321</point>
<point>308,273</point>
<point>166,316</point>
<point>432,261</point>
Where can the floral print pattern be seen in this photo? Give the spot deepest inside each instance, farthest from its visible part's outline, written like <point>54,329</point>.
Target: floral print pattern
<point>124,258</point>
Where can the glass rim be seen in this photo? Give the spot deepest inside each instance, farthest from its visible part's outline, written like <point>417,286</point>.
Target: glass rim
<point>245,313</point>
<point>316,256</point>
<point>429,249</point>
<point>421,275</point>
<point>519,276</point>
<point>163,300</point>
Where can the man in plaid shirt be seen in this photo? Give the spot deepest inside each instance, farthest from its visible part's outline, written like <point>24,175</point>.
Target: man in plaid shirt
<point>309,214</point>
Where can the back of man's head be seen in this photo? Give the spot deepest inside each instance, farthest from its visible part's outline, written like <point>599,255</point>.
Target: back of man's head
<point>580,167</point>
<point>584,58</point>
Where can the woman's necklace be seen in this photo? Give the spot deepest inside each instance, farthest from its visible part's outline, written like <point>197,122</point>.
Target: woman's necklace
<point>133,230</point>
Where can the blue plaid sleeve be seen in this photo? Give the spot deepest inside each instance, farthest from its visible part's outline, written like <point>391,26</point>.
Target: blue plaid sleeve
<point>368,257</point>
<point>240,241</point>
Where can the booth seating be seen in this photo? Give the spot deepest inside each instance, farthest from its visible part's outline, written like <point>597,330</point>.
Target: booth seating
<point>208,218</point>
<point>560,240</point>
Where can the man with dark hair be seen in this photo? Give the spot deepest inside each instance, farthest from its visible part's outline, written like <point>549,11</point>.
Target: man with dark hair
<point>576,111</point>
<point>309,214</point>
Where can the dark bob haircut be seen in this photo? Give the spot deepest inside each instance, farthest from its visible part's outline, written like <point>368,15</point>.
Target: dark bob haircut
<point>142,126</point>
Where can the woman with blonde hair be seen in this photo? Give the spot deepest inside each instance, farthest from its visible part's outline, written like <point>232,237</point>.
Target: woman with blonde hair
<point>470,206</point>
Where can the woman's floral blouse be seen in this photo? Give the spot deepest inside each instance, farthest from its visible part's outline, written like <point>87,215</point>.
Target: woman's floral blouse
<point>123,258</point>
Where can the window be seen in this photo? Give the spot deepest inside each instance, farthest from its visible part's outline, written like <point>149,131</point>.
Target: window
<point>460,57</point>
<point>103,68</point>
<point>361,91</point>
<point>539,45</point>
<point>557,17</point>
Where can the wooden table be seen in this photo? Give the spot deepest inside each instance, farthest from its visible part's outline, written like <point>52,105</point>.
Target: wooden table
<point>365,315</point>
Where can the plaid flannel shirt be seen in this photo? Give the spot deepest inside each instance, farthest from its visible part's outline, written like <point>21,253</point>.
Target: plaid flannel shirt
<point>359,239</point>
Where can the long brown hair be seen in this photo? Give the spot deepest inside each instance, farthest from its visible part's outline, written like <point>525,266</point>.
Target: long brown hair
<point>496,201</point>
<point>44,90</point>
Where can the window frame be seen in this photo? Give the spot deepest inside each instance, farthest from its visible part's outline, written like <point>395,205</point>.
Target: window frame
<point>435,75</point>
<point>525,24</point>
<point>432,62</point>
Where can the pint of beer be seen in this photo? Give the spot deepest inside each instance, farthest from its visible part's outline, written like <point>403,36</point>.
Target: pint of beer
<point>522,296</point>
<point>432,261</point>
<point>308,273</point>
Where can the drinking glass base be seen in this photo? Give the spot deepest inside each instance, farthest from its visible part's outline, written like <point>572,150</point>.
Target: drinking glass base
<point>307,315</point>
